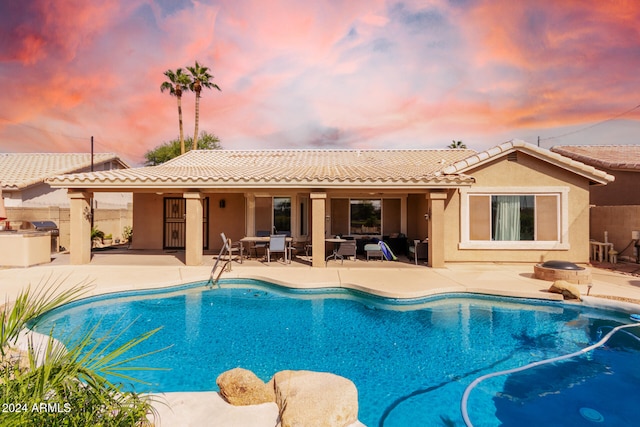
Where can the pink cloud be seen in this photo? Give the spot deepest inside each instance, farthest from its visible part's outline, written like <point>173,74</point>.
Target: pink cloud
<point>312,73</point>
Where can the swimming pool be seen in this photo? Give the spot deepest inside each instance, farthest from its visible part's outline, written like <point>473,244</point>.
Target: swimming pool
<point>410,360</point>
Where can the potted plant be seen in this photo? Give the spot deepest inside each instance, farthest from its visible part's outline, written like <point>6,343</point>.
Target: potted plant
<point>108,239</point>
<point>96,236</point>
<point>127,234</point>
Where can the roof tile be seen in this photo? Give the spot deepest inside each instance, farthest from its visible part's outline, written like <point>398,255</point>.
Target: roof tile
<point>213,168</point>
<point>21,170</point>
<point>623,157</point>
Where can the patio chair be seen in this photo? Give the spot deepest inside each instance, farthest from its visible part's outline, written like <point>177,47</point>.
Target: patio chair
<point>277,244</point>
<point>347,249</point>
<point>261,245</point>
<point>232,248</point>
<point>419,250</point>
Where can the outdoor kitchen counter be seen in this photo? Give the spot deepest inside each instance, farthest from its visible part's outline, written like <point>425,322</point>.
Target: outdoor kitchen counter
<point>24,248</point>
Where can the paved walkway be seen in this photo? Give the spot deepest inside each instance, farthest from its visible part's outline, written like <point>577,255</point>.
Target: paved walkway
<point>113,272</point>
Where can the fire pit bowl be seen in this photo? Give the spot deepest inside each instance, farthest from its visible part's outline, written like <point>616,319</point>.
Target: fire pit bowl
<point>562,270</point>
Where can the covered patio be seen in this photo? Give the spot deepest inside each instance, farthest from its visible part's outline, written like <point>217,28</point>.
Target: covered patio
<point>312,196</point>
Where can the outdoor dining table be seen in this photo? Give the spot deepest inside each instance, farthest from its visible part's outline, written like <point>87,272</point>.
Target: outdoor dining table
<point>256,239</point>
<point>336,244</point>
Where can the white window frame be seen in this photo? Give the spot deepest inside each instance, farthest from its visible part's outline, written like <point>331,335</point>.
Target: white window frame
<point>563,218</point>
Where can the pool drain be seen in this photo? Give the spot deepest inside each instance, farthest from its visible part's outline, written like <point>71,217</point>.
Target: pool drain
<point>592,415</point>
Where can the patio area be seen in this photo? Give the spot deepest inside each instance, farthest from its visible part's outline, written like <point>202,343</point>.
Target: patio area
<point>124,269</point>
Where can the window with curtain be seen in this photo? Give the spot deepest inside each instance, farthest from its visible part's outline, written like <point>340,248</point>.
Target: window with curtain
<point>512,218</point>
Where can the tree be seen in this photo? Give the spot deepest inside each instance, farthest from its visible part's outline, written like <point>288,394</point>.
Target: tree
<point>178,82</point>
<point>169,150</point>
<point>457,145</point>
<point>200,78</point>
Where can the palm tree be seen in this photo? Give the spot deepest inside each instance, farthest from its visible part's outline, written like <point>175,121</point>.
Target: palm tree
<point>178,82</point>
<point>457,145</point>
<point>200,79</point>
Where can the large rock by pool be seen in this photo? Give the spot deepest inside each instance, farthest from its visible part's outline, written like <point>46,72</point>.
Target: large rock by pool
<point>315,399</point>
<point>242,387</point>
<point>304,398</point>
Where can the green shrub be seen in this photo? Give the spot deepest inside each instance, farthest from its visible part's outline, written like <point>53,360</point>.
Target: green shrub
<point>66,386</point>
<point>96,234</point>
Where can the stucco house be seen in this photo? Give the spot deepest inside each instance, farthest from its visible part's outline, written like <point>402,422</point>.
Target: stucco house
<point>615,209</point>
<point>515,202</point>
<point>23,175</point>
<point>621,161</point>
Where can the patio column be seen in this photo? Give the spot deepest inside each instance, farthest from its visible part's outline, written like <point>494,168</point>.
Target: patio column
<point>318,213</point>
<point>80,232</point>
<point>436,228</point>
<point>193,243</point>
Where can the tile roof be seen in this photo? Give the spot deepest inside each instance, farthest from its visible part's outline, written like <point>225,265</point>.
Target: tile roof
<point>20,170</point>
<point>620,157</point>
<point>284,168</point>
<point>557,159</point>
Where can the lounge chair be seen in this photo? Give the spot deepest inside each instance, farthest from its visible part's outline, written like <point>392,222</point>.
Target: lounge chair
<point>277,244</point>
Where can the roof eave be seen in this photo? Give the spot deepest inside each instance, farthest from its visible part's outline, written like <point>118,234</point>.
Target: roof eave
<point>592,174</point>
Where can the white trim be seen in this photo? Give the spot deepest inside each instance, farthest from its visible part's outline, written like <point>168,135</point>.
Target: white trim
<point>563,208</point>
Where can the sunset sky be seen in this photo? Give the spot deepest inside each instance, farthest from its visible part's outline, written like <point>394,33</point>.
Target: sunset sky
<point>320,74</point>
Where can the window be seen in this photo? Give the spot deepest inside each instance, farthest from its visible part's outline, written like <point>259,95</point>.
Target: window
<point>282,214</point>
<point>532,218</point>
<point>273,214</point>
<point>366,216</point>
<point>512,217</point>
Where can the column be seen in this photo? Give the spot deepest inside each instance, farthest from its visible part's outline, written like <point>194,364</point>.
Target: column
<point>436,228</point>
<point>318,214</point>
<point>194,242</point>
<point>80,227</point>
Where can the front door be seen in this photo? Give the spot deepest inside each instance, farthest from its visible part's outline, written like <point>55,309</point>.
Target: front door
<point>175,219</point>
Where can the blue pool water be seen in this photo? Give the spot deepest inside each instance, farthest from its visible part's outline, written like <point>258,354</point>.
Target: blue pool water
<point>411,361</point>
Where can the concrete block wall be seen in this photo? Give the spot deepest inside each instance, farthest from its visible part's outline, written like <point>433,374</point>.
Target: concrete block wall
<point>618,222</point>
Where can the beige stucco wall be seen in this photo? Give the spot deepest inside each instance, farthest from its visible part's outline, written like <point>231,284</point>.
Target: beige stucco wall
<point>527,171</point>
<point>24,249</point>
<point>417,226</point>
<point>618,222</point>
<point>229,220</point>
<point>148,219</point>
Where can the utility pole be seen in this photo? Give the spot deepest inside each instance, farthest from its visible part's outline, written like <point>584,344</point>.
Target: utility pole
<point>91,199</point>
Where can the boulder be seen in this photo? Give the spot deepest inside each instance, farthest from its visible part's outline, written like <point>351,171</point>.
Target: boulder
<point>315,399</point>
<point>568,290</point>
<point>242,387</point>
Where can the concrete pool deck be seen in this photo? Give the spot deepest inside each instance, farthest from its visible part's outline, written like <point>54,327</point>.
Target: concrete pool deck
<point>118,272</point>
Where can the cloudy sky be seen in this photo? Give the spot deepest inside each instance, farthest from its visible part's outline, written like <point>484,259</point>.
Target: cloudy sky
<point>322,74</point>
